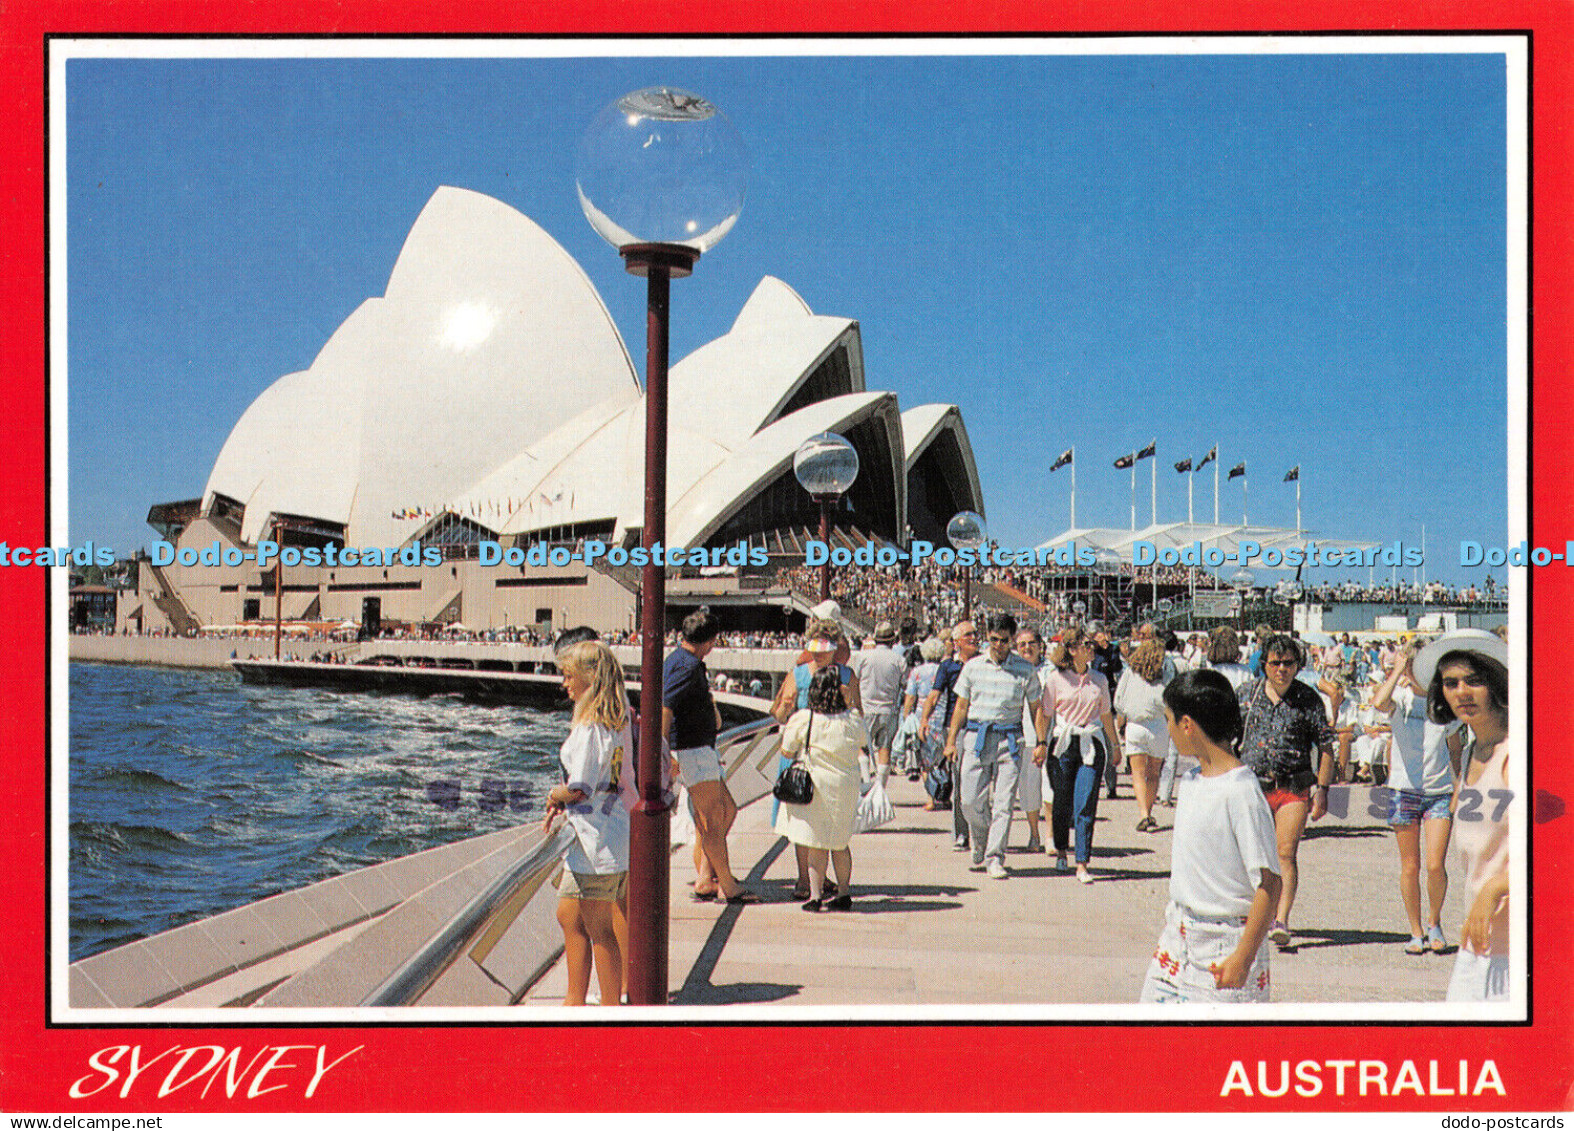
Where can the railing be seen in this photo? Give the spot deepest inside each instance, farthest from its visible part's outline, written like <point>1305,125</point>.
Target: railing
<point>740,747</point>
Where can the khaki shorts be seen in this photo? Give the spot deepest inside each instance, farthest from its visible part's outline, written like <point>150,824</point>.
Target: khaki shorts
<point>609,888</point>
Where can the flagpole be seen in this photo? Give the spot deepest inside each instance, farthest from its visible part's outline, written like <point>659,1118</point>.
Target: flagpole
<point>1133,493</point>
<point>1216,487</point>
<point>1189,477</point>
<point>1073,486</point>
<point>1297,500</point>
<point>1243,500</point>
<point>1154,487</point>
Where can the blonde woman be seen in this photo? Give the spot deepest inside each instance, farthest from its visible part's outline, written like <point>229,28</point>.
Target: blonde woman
<point>592,905</point>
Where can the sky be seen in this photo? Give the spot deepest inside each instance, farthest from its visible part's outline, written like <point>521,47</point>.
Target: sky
<point>1299,258</point>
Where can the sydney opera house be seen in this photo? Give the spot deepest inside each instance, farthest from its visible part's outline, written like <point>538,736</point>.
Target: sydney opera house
<point>487,396</point>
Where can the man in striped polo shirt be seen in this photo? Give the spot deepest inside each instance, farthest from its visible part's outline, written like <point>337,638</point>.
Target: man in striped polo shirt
<point>991,693</point>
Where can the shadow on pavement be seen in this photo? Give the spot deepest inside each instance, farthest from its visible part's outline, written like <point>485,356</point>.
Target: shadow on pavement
<point>740,993</point>
<point>1311,939</point>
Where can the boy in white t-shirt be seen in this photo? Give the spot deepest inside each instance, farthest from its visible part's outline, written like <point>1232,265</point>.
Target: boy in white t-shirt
<point>1224,865</point>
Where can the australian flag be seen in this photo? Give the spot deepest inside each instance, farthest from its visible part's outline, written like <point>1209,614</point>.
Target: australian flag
<point>1293,474</point>
<point>1238,469</point>
<point>1065,458</point>
<point>1184,465</point>
<point>1213,454</point>
<point>1153,446</point>
<point>1125,461</point>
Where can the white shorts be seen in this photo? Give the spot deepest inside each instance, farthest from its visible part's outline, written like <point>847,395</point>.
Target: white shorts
<point>697,764</point>
<point>1144,739</point>
<point>1479,977</point>
<point>1187,947</point>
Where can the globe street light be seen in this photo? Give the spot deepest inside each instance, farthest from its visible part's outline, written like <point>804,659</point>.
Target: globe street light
<point>826,466</point>
<point>966,531</point>
<point>661,175</point>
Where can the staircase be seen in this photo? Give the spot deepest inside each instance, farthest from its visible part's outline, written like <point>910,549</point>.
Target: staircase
<point>170,603</point>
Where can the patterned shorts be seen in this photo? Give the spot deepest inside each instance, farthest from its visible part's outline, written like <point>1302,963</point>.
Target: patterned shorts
<point>1187,947</point>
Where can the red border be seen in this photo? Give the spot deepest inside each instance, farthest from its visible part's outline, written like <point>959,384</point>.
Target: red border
<point>481,1069</point>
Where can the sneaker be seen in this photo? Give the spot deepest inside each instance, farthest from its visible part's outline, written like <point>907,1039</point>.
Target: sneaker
<point>959,844</point>
<point>997,870</point>
<point>1060,862</point>
<point>1280,934</point>
<point>1033,843</point>
<point>978,857</point>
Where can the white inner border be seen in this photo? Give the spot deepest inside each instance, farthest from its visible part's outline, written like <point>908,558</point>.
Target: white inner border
<point>1515,49</point>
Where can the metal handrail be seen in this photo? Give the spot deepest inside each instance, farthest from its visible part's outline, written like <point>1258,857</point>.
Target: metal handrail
<point>417,973</point>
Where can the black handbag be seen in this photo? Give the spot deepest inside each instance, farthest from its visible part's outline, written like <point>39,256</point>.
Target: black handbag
<point>794,786</point>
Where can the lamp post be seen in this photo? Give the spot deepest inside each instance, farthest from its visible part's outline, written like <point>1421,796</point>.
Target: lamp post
<point>660,174</point>
<point>826,466</point>
<point>1242,581</point>
<point>1106,564</point>
<point>966,531</point>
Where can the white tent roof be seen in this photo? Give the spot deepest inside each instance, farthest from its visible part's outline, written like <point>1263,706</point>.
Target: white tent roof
<point>1179,535</point>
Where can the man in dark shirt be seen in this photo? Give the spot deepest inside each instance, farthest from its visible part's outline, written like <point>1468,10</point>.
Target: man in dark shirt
<point>964,637</point>
<point>1283,722</point>
<point>690,723</point>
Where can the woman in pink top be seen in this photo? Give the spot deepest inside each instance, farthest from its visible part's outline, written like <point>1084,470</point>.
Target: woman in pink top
<point>1466,673</point>
<point>1077,704</point>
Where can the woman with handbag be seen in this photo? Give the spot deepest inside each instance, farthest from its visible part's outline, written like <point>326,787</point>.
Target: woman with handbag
<point>823,640</point>
<point>826,739</point>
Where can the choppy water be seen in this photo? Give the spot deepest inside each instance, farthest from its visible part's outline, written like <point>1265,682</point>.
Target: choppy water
<point>192,793</point>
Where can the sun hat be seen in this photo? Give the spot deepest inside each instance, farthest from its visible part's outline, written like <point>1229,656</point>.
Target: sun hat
<point>884,632</point>
<point>1477,641</point>
<point>819,644</point>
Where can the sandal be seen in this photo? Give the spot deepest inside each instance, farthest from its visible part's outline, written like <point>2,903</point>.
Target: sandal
<point>1417,945</point>
<point>841,903</point>
<point>744,895</point>
<point>1435,939</point>
<point>813,905</point>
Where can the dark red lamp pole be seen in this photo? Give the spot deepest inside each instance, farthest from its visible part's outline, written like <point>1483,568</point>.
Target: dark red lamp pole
<point>650,846</point>
<point>825,540</point>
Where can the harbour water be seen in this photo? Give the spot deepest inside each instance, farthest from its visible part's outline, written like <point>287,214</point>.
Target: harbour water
<point>192,793</point>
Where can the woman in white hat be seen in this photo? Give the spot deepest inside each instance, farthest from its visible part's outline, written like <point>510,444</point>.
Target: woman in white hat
<point>1466,676</point>
<point>823,640</point>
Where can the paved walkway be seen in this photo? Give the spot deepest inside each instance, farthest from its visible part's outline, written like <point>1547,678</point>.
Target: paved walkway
<point>927,932</point>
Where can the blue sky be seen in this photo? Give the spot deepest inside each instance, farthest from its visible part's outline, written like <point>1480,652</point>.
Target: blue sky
<point>1299,258</point>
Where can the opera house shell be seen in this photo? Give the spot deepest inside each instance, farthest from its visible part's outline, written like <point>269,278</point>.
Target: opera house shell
<point>487,395</point>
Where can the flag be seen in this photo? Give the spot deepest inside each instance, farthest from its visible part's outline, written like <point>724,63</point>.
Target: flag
<point>1293,474</point>
<point>1125,461</point>
<point>1238,469</point>
<point>1153,446</point>
<point>1065,458</point>
<point>1184,465</point>
<point>1213,454</point>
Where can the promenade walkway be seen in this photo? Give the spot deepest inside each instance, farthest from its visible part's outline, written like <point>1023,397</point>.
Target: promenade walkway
<point>926,932</point>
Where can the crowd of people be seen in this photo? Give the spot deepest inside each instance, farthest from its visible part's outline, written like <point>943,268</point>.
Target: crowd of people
<point>1242,737</point>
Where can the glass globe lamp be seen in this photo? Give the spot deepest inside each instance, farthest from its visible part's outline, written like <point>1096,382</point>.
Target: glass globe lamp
<point>966,530</point>
<point>1242,580</point>
<point>661,166</point>
<point>826,465</point>
<point>1106,561</point>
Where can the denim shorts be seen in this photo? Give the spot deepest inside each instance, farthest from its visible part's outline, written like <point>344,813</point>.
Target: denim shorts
<point>698,764</point>
<point>1410,806</point>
